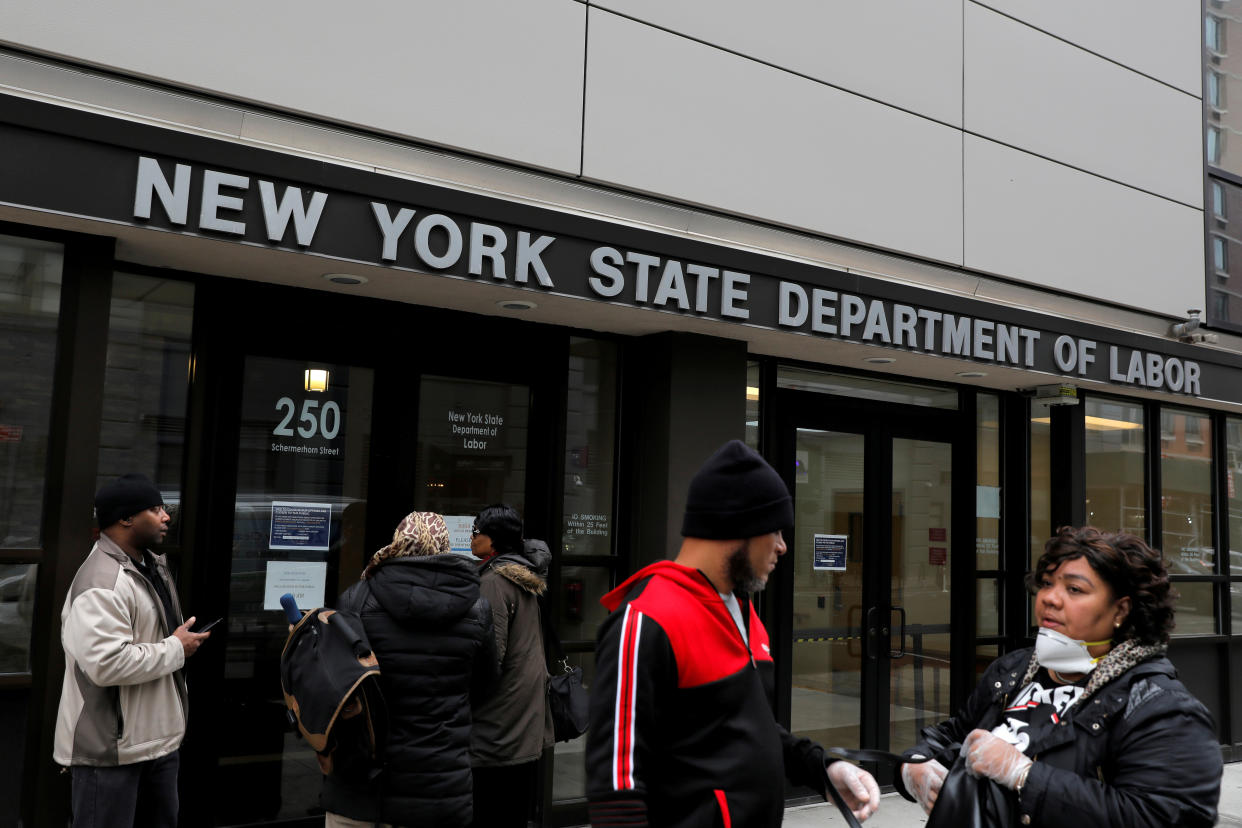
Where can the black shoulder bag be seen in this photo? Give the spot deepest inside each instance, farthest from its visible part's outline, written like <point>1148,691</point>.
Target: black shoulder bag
<point>567,698</point>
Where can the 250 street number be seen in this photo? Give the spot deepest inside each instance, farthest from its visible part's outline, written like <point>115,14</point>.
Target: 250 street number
<point>310,425</point>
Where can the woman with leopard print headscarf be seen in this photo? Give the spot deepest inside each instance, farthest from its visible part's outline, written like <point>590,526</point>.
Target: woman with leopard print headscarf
<point>431,631</point>
<point>1092,725</point>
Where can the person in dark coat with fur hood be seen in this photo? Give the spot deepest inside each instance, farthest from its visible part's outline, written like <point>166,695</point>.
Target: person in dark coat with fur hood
<point>513,724</point>
<point>431,631</point>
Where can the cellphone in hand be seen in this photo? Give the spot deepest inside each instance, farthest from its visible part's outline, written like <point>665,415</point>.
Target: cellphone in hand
<point>208,626</point>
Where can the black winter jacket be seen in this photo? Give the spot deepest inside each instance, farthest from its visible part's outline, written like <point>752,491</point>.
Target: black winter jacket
<point>1140,753</point>
<point>432,634</point>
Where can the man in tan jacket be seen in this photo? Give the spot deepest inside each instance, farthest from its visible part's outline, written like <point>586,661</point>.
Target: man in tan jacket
<point>123,707</point>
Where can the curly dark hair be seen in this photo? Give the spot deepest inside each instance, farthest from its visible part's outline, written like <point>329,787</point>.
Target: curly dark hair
<point>1128,565</point>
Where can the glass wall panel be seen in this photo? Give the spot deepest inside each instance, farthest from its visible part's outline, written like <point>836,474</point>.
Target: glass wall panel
<point>1233,495</point>
<point>1116,458</point>
<point>985,654</point>
<point>303,456</point>
<point>752,404</point>
<point>1041,480</point>
<point>988,484</point>
<point>472,439</point>
<point>987,607</point>
<point>17,594</point>
<point>1186,480</point>
<point>866,388</point>
<point>828,600</point>
<point>590,440</point>
<point>569,778</point>
<point>1195,609</point>
<point>30,273</point>
<point>146,385</point>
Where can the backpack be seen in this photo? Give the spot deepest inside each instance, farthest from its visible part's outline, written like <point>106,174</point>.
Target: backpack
<point>330,680</point>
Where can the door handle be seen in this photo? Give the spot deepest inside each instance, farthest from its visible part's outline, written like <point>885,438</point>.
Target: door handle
<point>901,651</point>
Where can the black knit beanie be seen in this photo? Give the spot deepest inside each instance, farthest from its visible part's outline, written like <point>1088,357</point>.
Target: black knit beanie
<point>736,495</point>
<point>124,497</point>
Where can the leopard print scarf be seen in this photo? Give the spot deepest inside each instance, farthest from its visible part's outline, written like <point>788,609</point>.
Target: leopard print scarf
<point>1119,659</point>
<point>420,533</point>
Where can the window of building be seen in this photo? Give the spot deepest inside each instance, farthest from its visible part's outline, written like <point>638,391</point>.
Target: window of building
<point>1116,458</point>
<point>1214,91</point>
<point>752,404</point>
<point>30,282</point>
<point>1233,506</point>
<point>30,273</point>
<point>587,558</point>
<point>1220,256</point>
<point>1218,201</point>
<point>868,388</point>
<point>146,385</point>
<point>1186,498</point>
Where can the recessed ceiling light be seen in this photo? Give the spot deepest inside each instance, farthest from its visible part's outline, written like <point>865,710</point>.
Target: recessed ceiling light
<point>972,374</point>
<point>880,360</point>
<point>517,304</point>
<point>345,279</point>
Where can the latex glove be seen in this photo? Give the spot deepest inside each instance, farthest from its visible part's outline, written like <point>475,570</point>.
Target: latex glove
<point>857,787</point>
<point>923,781</point>
<point>993,757</point>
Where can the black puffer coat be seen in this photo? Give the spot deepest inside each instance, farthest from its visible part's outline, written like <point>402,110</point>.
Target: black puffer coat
<point>432,634</point>
<point>1140,753</point>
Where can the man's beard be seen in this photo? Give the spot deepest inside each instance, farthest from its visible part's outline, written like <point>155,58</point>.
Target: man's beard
<point>742,573</point>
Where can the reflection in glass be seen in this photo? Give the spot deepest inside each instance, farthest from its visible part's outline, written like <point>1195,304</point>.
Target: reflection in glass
<point>752,404</point>
<point>922,542</point>
<point>17,597</point>
<point>1186,480</point>
<point>1116,456</point>
<point>987,607</point>
<point>569,777</point>
<point>1041,481</point>
<point>299,515</point>
<point>985,654</point>
<point>827,603</point>
<point>866,388</point>
<point>146,385</point>
<point>1236,589</point>
<point>1233,496</point>
<point>581,612</point>
<point>590,438</point>
<point>471,446</point>
<point>29,312</point>
<point>988,484</point>
<point>1195,609</point>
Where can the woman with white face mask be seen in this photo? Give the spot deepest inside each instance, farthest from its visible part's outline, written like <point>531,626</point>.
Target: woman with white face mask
<point>1091,726</point>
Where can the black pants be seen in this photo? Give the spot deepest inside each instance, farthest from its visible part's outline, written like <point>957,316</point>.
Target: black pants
<point>503,796</point>
<point>143,794</point>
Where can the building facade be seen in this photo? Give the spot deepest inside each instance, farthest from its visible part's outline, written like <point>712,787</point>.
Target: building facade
<point>947,264</point>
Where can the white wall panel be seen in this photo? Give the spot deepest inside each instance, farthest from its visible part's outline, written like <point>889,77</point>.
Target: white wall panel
<point>1041,94</point>
<point>904,52</point>
<point>670,116</point>
<point>492,77</point>
<point>1160,38</point>
<point>1043,223</point>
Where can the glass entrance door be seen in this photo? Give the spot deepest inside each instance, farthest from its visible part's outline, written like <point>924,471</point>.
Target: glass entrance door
<point>871,592</point>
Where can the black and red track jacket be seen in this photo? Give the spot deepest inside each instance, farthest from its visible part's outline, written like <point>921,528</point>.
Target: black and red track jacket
<point>682,732</point>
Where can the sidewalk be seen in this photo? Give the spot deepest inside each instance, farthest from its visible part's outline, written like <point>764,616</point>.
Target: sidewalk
<point>896,812</point>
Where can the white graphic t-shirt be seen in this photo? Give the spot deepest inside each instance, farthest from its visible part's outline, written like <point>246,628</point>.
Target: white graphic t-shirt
<point>1036,709</point>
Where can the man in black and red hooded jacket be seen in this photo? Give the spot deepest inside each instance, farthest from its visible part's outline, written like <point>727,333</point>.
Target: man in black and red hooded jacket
<point>682,730</point>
